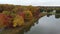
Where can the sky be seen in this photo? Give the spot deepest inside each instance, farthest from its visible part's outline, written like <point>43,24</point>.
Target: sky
<point>32,2</point>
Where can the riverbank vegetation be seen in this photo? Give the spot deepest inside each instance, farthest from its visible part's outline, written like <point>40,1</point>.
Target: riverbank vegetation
<point>15,15</point>
<point>17,18</point>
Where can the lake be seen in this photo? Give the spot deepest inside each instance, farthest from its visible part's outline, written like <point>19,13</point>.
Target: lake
<point>46,25</point>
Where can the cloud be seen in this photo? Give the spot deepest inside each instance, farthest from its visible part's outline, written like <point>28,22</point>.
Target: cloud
<point>32,2</point>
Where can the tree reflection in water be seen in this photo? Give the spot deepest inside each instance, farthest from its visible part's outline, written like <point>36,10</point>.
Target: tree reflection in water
<point>57,16</point>
<point>57,13</point>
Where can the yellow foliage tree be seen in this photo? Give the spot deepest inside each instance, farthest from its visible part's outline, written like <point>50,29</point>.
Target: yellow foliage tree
<point>18,21</point>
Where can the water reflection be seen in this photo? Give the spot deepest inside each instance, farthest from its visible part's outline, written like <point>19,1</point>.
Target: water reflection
<point>56,16</point>
<point>48,15</point>
<point>46,25</point>
<point>55,12</point>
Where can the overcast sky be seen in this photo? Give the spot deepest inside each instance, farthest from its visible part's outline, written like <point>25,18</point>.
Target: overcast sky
<point>32,2</point>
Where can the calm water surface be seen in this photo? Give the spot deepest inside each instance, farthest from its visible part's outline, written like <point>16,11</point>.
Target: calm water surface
<point>46,25</point>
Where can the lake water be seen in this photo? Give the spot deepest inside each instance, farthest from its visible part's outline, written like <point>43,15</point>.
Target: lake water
<point>46,25</point>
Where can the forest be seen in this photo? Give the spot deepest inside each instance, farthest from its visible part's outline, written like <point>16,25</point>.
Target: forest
<point>15,15</point>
